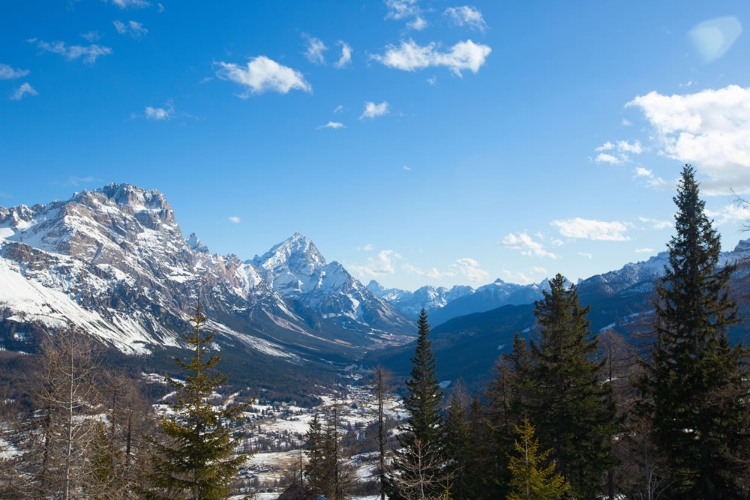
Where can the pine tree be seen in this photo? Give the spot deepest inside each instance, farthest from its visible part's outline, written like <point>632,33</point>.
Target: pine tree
<point>417,465</point>
<point>456,448</point>
<point>531,480</point>
<point>315,468</point>
<point>695,384</point>
<point>197,460</point>
<point>574,413</point>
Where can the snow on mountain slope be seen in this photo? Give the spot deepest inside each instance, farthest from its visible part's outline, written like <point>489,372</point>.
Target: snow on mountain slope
<point>296,269</point>
<point>114,262</point>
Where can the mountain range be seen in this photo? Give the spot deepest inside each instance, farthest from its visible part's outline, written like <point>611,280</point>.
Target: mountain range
<point>113,262</point>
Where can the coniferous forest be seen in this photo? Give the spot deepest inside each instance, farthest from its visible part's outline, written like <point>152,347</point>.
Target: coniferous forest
<point>568,413</point>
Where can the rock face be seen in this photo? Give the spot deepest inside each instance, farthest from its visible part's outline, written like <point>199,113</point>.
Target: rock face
<point>114,263</point>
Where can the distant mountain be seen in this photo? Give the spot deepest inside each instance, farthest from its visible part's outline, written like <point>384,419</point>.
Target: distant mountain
<point>443,304</point>
<point>114,263</point>
<point>468,346</point>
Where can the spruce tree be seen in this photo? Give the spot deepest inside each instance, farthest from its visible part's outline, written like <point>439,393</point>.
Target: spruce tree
<point>531,479</point>
<point>456,448</point>
<point>197,458</point>
<point>695,383</point>
<point>417,465</point>
<point>574,412</point>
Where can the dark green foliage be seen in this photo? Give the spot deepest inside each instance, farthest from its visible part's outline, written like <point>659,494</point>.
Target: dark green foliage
<point>573,411</point>
<point>532,480</point>
<point>327,474</point>
<point>197,458</point>
<point>695,384</point>
<point>417,465</point>
<point>456,448</point>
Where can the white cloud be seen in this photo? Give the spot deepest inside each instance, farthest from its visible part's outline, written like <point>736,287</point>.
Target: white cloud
<point>730,214</point>
<point>586,255</point>
<point>607,158</point>
<point>234,219</point>
<point>346,55</point>
<point>626,122</point>
<point>525,279</point>
<point>411,57</point>
<point>263,74</point>
<point>467,16</point>
<point>418,24</point>
<point>8,73</point>
<point>432,80</point>
<point>558,243</point>
<point>378,266</point>
<point>315,49</point>
<point>333,125</point>
<point>373,110</point>
<point>133,28</point>
<point>713,38</point>
<point>524,242</point>
<point>656,223</point>
<point>408,169</point>
<point>621,149</point>
<point>24,89</point>
<point>470,268</point>
<point>89,54</point>
<point>401,9</point>
<point>710,128</point>
<point>368,247</point>
<point>338,109</point>
<point>165,113</point>
<point>643,172</point>
<point>91,36</point>
<point>123,4</point>
<point>591,229</point>
<point>644,250</point>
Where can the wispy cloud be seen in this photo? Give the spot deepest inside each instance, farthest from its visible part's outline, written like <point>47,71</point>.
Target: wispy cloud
<point>88,53</point>
<point>132,28</point>
<point>124,4</point>
<point>586,255</point>
<point>346,55</point>
<point>644,250</point>
<point>406,9</point>
<point>263,74</point>
<point>234,219</point>
<point>730,214</point>
<point>24,90</point>
<point>410,56</point>
<point>333,125</point>
<point>373,110</point>
<point>656,223</point>
<point>591,229</point>
<point>408,169</point>
<point>91,36</point>
<point>710,129</point>
<point>158,114</point>
<point>618,152</point>
<point>466,16</point>
<point>527,246</point>
<point>76,181</point>
<point>8,73</point>
<point>381,265</point>
<point>471,269</point>
<point>315,49</point>
<point>338,109</point>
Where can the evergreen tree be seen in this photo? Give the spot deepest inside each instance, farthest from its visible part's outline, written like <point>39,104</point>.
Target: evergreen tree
<point>695,384</point>
<point>315,469</point>
<point>417,465</point>
<point>574,412</point>
<point>456,448</point>
<point>531,480</point>
<point>197,460</point>
<point>327,473</point>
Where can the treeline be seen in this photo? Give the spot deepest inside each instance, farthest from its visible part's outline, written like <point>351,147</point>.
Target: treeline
<point>83,431</point>
<point>572,414</point>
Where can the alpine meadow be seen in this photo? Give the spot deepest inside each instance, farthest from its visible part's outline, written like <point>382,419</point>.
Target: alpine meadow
<point>375,250</point>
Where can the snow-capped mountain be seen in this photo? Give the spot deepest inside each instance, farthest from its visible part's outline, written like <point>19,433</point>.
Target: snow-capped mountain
<point>443,304</point>
<point>114,263</point>
<point>296,270</point>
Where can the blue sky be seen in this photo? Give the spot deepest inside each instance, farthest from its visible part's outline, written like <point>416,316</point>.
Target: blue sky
<point>417,142</point>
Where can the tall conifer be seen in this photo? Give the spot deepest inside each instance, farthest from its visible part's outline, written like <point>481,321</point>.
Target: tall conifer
<point>695,383</point>
<point>197,458</point>
<point>573,411</point>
